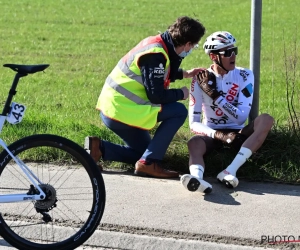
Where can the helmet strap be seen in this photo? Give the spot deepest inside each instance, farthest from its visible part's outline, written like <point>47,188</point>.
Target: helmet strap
<point>219,63</point>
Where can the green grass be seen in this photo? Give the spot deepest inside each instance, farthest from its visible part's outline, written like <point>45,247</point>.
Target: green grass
<point>83,40</point>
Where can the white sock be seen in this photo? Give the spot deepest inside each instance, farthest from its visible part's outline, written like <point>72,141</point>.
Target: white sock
<point>239,160</point>
<point>197,170</point>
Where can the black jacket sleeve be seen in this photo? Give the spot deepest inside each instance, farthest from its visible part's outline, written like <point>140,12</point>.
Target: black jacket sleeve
<point>152,69</point>
<point>179,74</point>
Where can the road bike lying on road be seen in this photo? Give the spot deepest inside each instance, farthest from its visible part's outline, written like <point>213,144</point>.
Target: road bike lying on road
<point>52,194</point>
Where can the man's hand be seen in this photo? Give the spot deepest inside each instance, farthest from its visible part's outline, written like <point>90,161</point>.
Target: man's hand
<point>207,82</point>
<point>185,93</point>
<point>192,72</point>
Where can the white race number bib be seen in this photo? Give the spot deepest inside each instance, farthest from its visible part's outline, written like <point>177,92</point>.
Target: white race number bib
<point>16,113</point>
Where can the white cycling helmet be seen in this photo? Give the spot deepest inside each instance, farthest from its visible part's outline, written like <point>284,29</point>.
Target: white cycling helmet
<point>218,40</point>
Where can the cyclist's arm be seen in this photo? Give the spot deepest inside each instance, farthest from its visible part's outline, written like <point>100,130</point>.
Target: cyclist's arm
<point>240,112</point>
<point>195,111</point>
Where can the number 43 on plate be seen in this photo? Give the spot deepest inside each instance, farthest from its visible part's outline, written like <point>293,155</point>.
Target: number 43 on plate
<point>16,113</point>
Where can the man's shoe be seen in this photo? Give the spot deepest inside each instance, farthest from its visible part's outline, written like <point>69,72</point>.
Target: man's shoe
<point>193,184</point>
<point>153,170</point>
<point>92,146</point>
<point>229,180</point>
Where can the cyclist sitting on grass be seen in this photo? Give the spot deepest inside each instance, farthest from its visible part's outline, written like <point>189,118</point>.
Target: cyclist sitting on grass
<point>223,94</point>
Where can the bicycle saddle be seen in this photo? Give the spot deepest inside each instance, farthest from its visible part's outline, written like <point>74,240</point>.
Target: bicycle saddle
<point>27,69</point>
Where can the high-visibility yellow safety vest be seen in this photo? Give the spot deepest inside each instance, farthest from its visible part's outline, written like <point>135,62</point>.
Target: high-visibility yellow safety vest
<point>123,97</point>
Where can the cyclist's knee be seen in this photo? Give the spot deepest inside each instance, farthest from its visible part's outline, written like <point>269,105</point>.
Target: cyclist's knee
<point>264,121</point>
<point>196,143</point>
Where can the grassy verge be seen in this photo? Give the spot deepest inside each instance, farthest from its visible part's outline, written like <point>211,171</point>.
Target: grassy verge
<point>83,40</point>
<point>276,161</point>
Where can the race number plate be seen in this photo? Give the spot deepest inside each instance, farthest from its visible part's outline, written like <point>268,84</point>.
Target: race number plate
<point>16,113</point>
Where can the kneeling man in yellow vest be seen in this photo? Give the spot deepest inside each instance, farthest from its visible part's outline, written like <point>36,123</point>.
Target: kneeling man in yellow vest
<point>136,96</point>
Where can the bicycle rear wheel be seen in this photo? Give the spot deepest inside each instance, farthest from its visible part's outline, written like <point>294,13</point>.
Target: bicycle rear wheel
<point>75,194</point>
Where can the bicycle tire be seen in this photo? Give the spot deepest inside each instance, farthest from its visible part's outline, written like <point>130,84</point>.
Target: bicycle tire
<point>63,166</point>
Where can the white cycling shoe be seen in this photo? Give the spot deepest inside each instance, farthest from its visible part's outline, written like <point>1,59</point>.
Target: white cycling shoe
<point>193,184</point>
<point>229,180</point>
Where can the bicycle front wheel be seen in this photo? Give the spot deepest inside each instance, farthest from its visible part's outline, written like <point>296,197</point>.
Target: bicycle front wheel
<point>74,188</point>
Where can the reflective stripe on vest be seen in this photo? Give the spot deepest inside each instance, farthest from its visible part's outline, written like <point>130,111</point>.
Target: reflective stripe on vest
<point>123,96</point>
<point>128,94</point>
<point>136,77</point>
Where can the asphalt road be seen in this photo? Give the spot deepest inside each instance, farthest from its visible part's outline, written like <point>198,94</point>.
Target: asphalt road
<point>147,213</point>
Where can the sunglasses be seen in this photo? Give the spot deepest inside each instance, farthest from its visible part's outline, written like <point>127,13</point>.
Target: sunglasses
<point>228,52</point>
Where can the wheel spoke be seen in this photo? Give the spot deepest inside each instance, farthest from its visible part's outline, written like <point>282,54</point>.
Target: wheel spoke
<point>69,195</point>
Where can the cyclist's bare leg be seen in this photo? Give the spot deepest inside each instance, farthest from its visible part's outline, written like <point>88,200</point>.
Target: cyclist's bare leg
<point>194,181</point>
<point>197,149</point>
<point>257,133</point>
<point>262,126</point>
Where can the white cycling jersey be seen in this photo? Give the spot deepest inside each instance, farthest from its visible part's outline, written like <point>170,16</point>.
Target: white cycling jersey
<point>230,110</point>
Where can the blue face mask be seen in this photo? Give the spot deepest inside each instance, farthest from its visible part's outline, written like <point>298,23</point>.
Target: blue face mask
<point>184,53</point>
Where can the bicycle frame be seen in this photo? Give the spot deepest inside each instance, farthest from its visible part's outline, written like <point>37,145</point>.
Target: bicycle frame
<point>34,180</point>
<point>22,71</point>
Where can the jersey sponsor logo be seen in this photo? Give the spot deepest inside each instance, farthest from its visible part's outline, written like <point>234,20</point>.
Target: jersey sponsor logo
<point>219,112</point>
<point>192,101</point>
<point>198,133</point>
<point>223,95</point>
<point>232,92</point>
<point>222,117</point>
<point>248,90</point>
<point>159,71</point>
<point>216,109</point>
<point>197,113</point>
<point>230,109</point>
<point>222,120</point>
<point>236,103</point>
<point>214,106</point>
<point>244,74</point>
